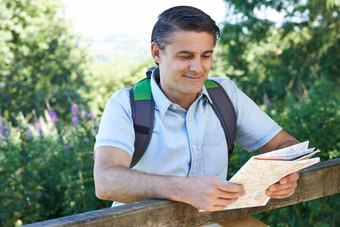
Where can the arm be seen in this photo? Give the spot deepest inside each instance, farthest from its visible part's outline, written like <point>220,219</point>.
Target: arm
<point>115,181</point>
<point>281,140</point>
<point>286,186</point>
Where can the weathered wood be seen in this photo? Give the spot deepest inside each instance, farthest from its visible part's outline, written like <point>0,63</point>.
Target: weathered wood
<point>319,180</point>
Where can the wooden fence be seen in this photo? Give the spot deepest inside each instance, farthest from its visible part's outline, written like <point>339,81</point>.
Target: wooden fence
<point>319,180</point>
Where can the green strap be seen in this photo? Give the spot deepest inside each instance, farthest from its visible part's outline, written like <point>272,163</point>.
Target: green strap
<point>210,84</point>
<point>143,114</point>
<point>142,90</point>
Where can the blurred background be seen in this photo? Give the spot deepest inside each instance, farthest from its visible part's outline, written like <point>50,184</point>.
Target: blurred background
<point>61,60</point>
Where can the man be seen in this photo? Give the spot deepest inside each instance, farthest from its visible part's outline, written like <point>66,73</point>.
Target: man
<point>187,157</point>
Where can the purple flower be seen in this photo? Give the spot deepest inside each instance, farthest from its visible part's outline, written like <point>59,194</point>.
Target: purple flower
<point>53,116</point>
<point>75,120</point>
<point>83,114</point>
<point>3,129</point>
<point>68,147</point>
<point>74,109</point>
<point>93,116</point>
<point>86,140</point>
<point>28,133</point>
<point>37,127</point>
<point>267,101</point>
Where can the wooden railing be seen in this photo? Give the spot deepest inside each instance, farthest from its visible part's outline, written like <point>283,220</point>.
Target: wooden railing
<point>319,180</point>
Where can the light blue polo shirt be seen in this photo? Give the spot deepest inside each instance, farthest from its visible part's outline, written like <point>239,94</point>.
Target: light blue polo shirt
<point>189,142</point>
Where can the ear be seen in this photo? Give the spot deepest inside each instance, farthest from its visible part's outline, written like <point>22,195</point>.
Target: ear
<point>156,52</point>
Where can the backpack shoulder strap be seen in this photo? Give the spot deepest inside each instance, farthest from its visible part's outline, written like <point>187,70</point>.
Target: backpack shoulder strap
<point>143,114</point>
<point>225,111</point>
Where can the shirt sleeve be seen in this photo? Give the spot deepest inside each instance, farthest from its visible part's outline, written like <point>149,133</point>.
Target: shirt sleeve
<point>254,128</point>
<point>116,125</point>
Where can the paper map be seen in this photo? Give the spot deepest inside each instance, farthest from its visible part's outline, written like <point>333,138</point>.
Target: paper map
<point>263,170</point>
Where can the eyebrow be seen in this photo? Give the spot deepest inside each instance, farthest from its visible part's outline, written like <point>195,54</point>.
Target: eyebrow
<point>189,52</point>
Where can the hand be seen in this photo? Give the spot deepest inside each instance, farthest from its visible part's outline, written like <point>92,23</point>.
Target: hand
<point>210,193</point>
<point>284,188</point>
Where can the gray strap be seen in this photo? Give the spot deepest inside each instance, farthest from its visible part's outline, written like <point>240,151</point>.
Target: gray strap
<point>225,111</point>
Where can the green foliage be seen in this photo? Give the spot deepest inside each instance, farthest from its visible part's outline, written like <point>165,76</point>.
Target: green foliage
<point>46,169</point>
<point>321,212</point>
<point>317,116</point>
<point>292,69</point>
<point>40,59</point>
<point>110,77</point>
<point>269,59</point>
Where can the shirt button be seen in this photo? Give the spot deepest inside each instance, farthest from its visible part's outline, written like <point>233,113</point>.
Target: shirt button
<point>194,147</point>
<point>189,118</point>
<point>174,107</point>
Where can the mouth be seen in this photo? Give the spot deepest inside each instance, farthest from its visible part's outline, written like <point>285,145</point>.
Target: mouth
<point>192,77</point>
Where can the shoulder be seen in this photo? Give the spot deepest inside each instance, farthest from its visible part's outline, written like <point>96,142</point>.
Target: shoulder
<point>116,124</point>
<point>119,101</point>
<point>229,86</point>
<point>121,96</point>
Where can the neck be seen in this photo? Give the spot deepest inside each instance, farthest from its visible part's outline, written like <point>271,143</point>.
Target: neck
<point>183,101</point>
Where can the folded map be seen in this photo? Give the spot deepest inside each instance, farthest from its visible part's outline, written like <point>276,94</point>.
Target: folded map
<point>263,170</point>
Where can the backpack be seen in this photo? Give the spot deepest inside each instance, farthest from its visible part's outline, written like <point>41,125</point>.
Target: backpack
<point>143,113</point>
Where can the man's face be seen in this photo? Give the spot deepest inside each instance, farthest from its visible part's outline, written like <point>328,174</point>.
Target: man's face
<point>185,64</point>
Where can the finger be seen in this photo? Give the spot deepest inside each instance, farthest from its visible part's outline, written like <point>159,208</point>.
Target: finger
<point>229,195</point>
<point>289,178</point>
<point>217,205</point>
<point>285,182</point>
<point>222,201</point>
<point>279,187</point>
<point>282,192</point>
<point>231,187</point>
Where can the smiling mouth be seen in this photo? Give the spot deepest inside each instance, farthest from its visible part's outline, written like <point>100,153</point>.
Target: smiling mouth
<point>193,77</point>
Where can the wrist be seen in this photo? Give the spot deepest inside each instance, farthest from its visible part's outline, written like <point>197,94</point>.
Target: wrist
<point>173,188</point>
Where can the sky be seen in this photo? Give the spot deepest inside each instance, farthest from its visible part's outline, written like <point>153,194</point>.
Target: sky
<point>111,25</point>
<point>123,28</point>
<point>94,17</point>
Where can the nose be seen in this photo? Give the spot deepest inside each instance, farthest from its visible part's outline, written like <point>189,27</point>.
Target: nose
<point>196,65</point>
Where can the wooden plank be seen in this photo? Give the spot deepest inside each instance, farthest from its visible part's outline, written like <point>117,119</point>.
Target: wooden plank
<point>319,180</point>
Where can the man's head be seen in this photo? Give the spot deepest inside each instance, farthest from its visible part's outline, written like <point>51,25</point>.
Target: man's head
<point>182,46</point>
<point>182,18</point>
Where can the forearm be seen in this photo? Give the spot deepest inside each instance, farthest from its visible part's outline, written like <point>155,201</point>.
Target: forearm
<point>122,184</point>
<point>287,143</point>
<point>115,181</point>
<point>281,140</point>
<point>285,187</point>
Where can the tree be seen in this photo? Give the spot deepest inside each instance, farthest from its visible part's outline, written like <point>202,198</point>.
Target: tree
<point>292,68</point>
<point>268,58</point>
<point>42,63</point>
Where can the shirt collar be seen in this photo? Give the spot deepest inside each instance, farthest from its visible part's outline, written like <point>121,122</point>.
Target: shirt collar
<point>205,93</point>
<point>162,103</point>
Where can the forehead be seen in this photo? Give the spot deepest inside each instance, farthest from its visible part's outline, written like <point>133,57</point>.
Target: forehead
<point>191,41</point>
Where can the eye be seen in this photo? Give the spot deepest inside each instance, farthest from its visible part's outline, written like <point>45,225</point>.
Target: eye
<point>185,56</point>
<point>206,56</point>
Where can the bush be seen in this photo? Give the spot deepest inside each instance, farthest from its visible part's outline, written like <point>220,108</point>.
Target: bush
<point>41,59</point>
<point>314,118</point>
<point>46,168</point>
